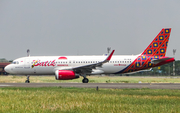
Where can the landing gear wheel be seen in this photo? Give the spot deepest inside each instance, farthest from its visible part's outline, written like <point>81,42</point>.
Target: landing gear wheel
<point>85,80</point>
<point>27,81</point>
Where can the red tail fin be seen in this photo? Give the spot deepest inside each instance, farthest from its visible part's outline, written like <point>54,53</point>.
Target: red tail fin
<point>158,46</point>
<point>153,55</point>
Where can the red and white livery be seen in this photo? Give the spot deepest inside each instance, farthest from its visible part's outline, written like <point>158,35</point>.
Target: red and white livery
<point>71,67</point>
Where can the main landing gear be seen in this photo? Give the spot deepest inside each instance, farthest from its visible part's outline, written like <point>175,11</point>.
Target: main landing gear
<point>27,81</point>
<point>85,80</point>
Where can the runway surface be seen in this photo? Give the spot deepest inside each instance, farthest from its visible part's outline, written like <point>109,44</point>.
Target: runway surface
<point>100,85</point>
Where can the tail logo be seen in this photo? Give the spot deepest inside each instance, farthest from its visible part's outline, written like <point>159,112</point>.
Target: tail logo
<point>155,50</point>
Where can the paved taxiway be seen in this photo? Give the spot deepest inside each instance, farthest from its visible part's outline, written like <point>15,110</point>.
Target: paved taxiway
<point>100,85</point>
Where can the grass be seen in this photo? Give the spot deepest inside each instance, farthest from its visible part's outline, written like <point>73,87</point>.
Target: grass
<point>92,79</point>
<point>88,100</point>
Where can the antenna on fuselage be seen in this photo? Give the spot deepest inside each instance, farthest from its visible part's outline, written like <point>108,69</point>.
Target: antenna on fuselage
<point>28,52</point>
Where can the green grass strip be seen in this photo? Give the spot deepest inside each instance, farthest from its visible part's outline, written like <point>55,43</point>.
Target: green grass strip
<point>88,100</point>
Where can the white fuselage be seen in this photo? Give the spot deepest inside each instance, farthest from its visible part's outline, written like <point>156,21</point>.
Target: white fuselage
<point>46,65</point>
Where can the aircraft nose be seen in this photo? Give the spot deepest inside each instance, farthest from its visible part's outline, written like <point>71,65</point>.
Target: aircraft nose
<point>7,69</point>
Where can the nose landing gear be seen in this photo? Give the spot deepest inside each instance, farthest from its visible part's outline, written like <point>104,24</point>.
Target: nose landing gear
<point>27,81</point>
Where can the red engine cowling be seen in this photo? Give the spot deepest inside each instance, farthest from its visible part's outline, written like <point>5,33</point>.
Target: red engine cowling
<point>65,75</point>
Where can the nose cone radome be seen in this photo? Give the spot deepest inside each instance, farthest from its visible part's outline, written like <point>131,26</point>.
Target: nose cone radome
<point>7,69</point>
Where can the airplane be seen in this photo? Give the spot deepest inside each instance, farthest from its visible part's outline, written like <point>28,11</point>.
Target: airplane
<point>72,67</point>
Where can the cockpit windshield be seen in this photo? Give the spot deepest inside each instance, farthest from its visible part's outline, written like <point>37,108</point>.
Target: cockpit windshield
<point>15,62</point>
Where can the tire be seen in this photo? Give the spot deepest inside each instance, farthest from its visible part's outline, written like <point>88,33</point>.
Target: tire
<point>85,80</point>
<point>27,81</point>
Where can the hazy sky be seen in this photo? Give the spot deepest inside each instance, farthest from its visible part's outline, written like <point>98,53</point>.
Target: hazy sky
<point>85,27</point>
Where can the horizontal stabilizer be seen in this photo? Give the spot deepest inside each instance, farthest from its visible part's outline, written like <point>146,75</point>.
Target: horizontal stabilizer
<point>162,60</point>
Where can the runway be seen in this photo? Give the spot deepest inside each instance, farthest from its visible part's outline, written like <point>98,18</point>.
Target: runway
<point>99,85</point>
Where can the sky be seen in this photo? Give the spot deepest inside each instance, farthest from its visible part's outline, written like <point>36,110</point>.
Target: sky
<point>85,27</point>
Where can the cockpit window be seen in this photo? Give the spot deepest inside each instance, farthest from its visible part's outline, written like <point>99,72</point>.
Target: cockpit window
<point>15,62</point>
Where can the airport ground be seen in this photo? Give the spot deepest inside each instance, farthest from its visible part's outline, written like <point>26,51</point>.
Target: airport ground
<point>88,100</point>
<point>83,100</point>
<point>93,79</point>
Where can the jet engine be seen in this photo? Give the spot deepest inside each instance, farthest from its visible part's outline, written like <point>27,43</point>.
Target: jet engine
<point>65,75</point>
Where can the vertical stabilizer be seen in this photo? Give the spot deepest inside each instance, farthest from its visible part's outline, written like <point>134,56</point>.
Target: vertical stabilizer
<point>153,55</point>
<point>158,46</point>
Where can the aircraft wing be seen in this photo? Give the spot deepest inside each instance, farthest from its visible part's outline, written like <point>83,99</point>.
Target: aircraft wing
<point>88,68</point>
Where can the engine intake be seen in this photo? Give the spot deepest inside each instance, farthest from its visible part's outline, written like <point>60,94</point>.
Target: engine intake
<point>65,75</point>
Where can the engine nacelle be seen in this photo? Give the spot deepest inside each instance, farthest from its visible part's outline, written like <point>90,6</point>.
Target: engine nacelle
<point>65,75</point>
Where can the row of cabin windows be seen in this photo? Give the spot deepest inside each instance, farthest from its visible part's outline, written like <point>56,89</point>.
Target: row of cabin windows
<point>97,62</point>
<point>120,62</point>
<point>65,62</point>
